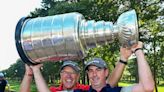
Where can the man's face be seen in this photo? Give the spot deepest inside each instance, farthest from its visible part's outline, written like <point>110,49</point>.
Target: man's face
<point>69,77</point>
<point>97,76</point>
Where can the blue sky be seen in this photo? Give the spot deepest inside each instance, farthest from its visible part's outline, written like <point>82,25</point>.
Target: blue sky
<point>11,12</point>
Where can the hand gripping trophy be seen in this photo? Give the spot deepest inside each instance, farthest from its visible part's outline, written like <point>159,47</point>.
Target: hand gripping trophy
<point>67,36</point>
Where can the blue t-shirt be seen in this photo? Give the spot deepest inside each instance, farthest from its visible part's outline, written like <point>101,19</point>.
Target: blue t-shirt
<point>107,88</point>
<point>2,85</point>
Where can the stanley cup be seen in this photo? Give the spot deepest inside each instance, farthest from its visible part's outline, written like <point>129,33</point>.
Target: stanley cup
<point>68,36</point>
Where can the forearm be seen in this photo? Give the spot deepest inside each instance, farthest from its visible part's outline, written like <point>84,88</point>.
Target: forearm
<point>25,85</point>
<point>116,74</point>
<point>145,75</point>
<point>40,83</point>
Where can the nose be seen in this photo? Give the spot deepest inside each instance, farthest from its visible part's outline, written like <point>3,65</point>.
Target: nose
<point>94,73</point>
<point>68,74</point>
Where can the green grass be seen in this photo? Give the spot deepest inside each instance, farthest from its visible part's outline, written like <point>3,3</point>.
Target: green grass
<point>160,88</point>
<point>124,84</point>
<point>14,86</point>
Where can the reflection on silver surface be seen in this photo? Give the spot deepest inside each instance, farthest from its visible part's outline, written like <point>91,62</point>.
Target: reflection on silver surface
<point>67,36</point>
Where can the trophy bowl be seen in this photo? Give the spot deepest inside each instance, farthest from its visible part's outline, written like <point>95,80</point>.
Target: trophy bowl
<point>68,36</point>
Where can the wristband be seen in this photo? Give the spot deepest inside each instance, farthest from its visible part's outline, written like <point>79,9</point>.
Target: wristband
<point>29,74</point>
<point>137,49</point>
<point>123,62</point>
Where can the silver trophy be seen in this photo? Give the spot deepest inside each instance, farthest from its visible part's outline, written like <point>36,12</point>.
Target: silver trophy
<point>68,36</point>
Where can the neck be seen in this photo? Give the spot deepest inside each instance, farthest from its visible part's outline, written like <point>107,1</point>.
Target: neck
<point>98,88</point>
<point>64,88</point>
<point>68,88</point>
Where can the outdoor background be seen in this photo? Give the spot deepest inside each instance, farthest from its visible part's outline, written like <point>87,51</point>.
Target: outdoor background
<point>150,15</point>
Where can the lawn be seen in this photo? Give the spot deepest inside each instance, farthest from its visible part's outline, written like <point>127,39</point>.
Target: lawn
<point>14,86</point>
<point>160,88</point>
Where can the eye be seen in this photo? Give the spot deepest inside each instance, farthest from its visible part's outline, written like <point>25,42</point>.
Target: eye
<point>66,72</point>
<point>63,72</point>
<point>98,69</point>
<point>90,71</point>
<point>73,72</point>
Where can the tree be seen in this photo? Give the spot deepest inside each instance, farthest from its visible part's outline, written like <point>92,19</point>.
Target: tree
<point>150,20</point>
<point>16,70</point>
<point>50,71</point>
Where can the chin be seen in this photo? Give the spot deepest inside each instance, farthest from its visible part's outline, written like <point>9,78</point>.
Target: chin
<point>69,87</point>
<point>96,84</point>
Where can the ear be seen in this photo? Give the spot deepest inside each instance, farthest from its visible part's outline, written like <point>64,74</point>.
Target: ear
<point>106,73</point>
<point>60,80</point>
<point>60,74</point>
<point>78,77</point>
<point>60,77</point>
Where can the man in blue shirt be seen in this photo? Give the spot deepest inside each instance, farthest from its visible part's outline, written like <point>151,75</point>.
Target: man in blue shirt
<point>3,83</point>
<point>98,72</point>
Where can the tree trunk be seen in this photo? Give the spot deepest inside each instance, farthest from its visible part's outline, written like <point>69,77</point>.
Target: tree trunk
<point>136,73</point>
<point>154,65</point>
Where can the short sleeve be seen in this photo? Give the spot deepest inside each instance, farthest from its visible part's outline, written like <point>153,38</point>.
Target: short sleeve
<point>127,89</point>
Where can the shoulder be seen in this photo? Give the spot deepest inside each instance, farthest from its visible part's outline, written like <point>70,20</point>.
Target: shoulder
<point>83,87</point>
<point>108,88</point>
<point>3,83</point>
<point>54,89</point>
<point>6,81</point>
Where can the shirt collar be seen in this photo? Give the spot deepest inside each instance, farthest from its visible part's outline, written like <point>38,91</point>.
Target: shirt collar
<point>93,90</point>
<point>61,86</point>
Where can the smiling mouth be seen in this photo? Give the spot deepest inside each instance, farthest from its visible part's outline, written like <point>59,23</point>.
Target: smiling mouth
<point>68,80</point>
<point>95,79</point>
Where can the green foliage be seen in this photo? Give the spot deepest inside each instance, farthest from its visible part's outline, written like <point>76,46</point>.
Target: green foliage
<point>15,71</point>
<point>50,71</point>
